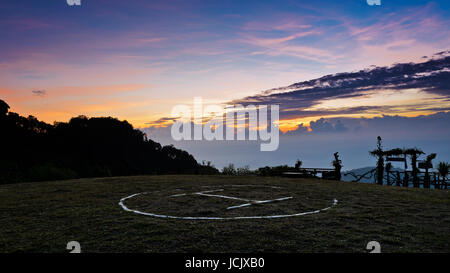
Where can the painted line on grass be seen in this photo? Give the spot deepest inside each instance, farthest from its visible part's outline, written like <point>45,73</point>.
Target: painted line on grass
<point>124,207</point>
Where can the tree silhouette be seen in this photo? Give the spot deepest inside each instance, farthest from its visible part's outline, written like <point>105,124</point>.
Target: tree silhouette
<point>298,164</point>
<point>337,163</point>
<point>4,107</point>
<point>84,147</point>
<point>443,169</point>
<point>380,162</point>
<point>229,170</point>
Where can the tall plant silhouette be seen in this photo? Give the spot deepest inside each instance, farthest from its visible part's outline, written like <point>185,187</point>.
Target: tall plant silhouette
<point>298,164</point>
<point>380,162</point>
<point>428,164</point>
<point>337,163</point>
<point>443,169</point>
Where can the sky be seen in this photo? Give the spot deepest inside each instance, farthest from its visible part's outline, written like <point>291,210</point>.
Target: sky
<point>136,60</point>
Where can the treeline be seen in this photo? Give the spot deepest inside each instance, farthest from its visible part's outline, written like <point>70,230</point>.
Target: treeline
<point>32,150</point>
<point>285,170</point>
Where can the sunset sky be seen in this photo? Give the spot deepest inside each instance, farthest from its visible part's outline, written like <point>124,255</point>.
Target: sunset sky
<point>135,60</point>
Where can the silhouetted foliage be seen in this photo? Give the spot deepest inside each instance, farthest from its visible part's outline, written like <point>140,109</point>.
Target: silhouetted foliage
<point>298,164</point>
<point>242,171</point>
<point>443,169</point>
<point>208,168</point>
<point>229,170</point>
<point>380,162</point>
<point>428,164</point>
<point>275,171</point>
<point>337,163</point>
<point>83,147</point>
<point>4,108</point>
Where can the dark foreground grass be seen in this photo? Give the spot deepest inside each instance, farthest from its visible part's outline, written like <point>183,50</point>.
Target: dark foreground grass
<point>43,217</point>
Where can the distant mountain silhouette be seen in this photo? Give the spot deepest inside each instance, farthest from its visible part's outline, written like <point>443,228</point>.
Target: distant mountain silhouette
<point>33,150</point>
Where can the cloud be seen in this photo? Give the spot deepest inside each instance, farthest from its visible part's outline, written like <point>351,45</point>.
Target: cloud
<point>394,126</point>
<point>162,122</point>
<point>28,24</point>
<point>324,126</point>
<point>424,86</point>
<point>406,89</point>
<point>351,137</point>
<point>39,93</point>
<point>286,46</point>
<point>284,22</point>
<point>433,126</point>
<point>336,40</point>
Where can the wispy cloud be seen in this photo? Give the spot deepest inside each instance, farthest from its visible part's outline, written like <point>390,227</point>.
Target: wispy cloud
<point>186,49</point>
<point>39,93</point>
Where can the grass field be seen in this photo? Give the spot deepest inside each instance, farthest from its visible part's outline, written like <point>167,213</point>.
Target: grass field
<point>43,217</point>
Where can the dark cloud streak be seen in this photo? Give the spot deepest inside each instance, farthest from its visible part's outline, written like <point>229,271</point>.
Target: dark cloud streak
<point>432,76</point>
<point>39,93</point>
